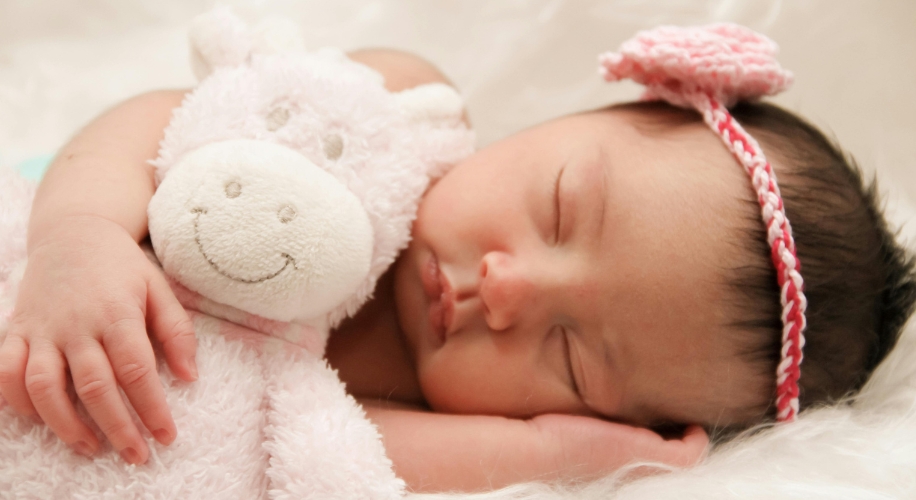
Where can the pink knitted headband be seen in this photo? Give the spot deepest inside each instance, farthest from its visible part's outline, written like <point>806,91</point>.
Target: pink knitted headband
<point>709,69</point>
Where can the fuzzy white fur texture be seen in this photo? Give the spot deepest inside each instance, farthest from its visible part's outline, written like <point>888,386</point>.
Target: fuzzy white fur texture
<point>518,63</point>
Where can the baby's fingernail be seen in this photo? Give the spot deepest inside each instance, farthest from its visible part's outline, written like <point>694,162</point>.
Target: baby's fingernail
<point>163,436</point>
<point>83,448</point>
<point>130,456</point>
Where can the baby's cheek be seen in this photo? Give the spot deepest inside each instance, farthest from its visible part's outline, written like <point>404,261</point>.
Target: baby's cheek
<point>452,380</point>
<point>461,378</point>
<point>447,215</point>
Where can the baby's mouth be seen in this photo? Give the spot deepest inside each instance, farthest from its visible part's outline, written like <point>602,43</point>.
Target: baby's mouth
<point>288,259</point>
<point>439,291</point>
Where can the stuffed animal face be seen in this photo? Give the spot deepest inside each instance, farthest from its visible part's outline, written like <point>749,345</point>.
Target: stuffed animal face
<point>259,226</point>
<point>289,181</point>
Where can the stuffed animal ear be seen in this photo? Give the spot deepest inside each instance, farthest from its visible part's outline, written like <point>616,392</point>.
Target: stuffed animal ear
<point>435,103</point>
<point>218,38</point>
<point>439,109</point>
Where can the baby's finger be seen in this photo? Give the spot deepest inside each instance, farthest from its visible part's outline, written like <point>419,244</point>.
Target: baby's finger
<point>46,382</point>
<point>95,385</point>
<point>171,325</point>
<point>696,444</point>
<point>683,451</point>
<point>14,356</point>
<point>134,366</point>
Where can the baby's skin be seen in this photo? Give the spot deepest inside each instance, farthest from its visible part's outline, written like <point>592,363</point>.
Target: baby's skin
<point>553,302</point>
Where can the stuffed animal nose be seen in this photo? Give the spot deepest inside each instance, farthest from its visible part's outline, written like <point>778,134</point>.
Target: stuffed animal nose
<point>264,230</point>
<point>507,291</point>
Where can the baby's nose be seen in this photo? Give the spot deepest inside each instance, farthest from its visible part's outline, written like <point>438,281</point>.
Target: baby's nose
<point>506,290</point>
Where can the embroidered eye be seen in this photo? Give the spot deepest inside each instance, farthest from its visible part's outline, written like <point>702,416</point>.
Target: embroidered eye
<point>333,146</point>
<point>233,190</point>
<point>286,214</point>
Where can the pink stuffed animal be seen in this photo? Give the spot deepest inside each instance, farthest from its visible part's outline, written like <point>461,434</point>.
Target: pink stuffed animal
<point>288,184</point>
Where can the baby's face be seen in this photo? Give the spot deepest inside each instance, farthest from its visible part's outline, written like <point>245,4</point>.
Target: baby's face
<point>579,267</point>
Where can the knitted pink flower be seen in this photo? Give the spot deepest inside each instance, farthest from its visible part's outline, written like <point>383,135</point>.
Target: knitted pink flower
<point>728,62</point>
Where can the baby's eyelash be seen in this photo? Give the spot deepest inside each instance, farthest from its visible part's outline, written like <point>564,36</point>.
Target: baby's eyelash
<point>567,354</point>
<point>556,204</point>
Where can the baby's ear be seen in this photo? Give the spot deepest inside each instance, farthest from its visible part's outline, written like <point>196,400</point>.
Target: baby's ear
<point>435,103</point>
<point>218,38</point>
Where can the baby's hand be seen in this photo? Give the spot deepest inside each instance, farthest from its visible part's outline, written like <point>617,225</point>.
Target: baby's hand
<point>84,305</point>
<point>586,447</point>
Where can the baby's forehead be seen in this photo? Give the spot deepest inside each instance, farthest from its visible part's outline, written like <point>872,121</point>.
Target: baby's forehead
<point>661,125</point>
<point>671,182</point>
<point>674,149</point>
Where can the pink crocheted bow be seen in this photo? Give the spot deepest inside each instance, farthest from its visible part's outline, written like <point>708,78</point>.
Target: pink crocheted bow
<point>710,68</point>
<point>728,62</point>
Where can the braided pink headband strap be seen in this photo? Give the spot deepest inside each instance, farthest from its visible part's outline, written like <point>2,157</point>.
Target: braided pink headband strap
<point>709,68</point>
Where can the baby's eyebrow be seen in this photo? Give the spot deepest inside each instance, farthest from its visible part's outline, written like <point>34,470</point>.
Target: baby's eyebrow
<point>586,173</point>
<point>604,196</point>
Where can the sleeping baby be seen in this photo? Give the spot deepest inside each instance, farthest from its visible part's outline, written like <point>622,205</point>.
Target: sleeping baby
<point>590,292</point>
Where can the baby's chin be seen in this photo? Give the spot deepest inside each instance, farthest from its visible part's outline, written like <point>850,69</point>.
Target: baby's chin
<point>436,381</point>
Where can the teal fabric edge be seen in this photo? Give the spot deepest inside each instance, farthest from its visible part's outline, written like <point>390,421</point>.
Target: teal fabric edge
<point>34,168</point>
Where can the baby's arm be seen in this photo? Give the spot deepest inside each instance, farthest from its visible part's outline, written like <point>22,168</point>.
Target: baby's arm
<point>89,293</point>
<point>442,452</point>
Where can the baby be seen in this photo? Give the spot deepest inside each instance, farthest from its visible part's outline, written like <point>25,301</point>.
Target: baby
<point>588,292</point>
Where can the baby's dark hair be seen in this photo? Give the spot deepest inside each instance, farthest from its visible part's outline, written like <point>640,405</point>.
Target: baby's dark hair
<point>859,282</point>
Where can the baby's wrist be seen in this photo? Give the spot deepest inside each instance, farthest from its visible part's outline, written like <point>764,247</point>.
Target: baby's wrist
<point>72,226</point>
<point>566,449</point>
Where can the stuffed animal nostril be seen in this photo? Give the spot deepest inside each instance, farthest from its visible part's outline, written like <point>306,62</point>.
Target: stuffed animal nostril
<point>286,214</point>
<point>333,146</point>
<point>233,190</point>
<point>277,118</point>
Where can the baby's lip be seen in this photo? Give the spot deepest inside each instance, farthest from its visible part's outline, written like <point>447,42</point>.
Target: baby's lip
<point>430,278</point>
<point>438,289</point>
